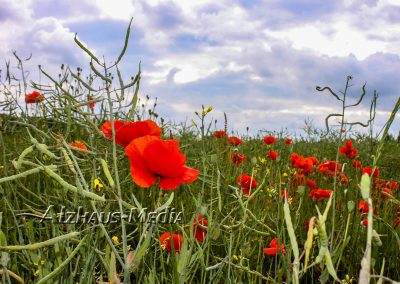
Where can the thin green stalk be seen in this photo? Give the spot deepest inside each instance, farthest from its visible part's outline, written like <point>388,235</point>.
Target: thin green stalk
<point>293,241</point>
<point>60,268</point>
<point>337,160</point>
<point>117,184</point>
<point>39,245</point>
<point>12,274</point>
<point>26,173</point>
<point>72,188</point>
<point>344,240</point>
<point>366,260</point>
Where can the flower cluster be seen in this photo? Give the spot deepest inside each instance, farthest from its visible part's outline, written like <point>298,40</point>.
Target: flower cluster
<point>247,183</point>
<point>173,242</point>
<point>319,194</point>
<point>274,248</point>
<point>34,97</point>
<point>303,164</point>
<point>79,145</point>
<point>348,150</point>
<point>234,141</point>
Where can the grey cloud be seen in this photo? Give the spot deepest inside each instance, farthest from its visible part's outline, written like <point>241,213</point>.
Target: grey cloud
<point>63,9</point>
<point>165,16</point>
<point>278,88</point>
<point>289,80</point>
<point>7,13</point>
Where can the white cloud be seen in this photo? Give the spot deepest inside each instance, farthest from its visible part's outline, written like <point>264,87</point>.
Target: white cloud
<point>345,40</point>
<point>182,107</point>
<point>235,67</point>
<point>118,9</point>
<point>259,65</point>
<point>191,67</point>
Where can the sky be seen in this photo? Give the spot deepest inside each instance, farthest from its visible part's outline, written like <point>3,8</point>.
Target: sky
<point>258,61</point>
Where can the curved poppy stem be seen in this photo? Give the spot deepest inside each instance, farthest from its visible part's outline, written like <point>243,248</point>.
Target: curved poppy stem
<point>337,159</point>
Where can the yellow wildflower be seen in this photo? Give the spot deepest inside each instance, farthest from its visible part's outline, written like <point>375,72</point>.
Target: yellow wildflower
<point>97,184</point>
<point>115,240</point>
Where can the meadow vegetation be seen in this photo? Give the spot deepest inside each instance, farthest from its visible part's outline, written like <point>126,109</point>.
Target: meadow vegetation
<point>265,208</point>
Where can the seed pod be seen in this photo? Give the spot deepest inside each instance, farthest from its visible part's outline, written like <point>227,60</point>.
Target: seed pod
<point>68,160</point>
<point>365,185</point>
<point>107,173</point>
<point>309,241</point>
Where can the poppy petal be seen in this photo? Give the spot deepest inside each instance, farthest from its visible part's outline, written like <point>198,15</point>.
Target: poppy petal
<point>138,145</point>
<point>270,251</point>
<point>170,183</point>
<point>164,158</point>
<point>273,243</point>
<point>142,177</point>
<point>126,131</point>
<point>189,174</point>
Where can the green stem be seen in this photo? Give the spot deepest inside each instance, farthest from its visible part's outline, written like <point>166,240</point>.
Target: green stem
<point>63,264</point>
<point>72,188</point>
<point>39,245</point>
<point>117,184</point>
<point>24,174</point>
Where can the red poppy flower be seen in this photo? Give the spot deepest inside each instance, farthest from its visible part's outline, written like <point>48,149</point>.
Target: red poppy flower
<point>79,144</point>
<point>357,164</point>
<point>305,165</point>
<point>126,131</point>
<point>166,244</point>
<point>219,134</point>
<point>293,158</point>
<point>311,183</point>
<point>365,223</point>
<point>238,159</point>
<point>274,248</point>
<point>34,97</point>
<point>319,194</point>
<point>272,155</point>
<point>246,183</point>
<point>288,141</point>
<point>393,185</point>
<point>152,159</point>
<point>363,207</point>
<point>234,141</point>
<point>329,168</point>
<point>368,171</point>
<point>313,160</point>
<point>348,150</point>
<point>198,231</point>
<point>91,105</point>
<point>343,178</point>
<point>300,179</point>
<point>269,140</point>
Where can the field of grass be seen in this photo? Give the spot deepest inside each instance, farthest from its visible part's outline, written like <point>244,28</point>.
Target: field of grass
<point>66,178</point>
